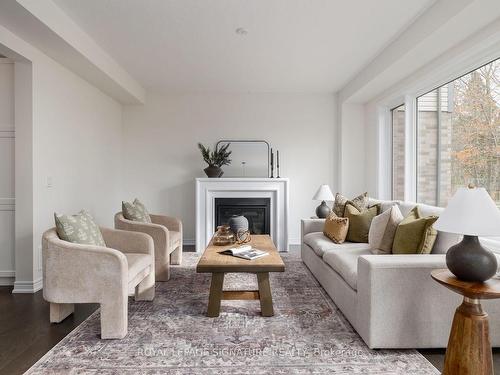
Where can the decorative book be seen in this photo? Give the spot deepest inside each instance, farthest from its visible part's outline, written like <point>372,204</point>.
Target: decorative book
<point>245,252</point>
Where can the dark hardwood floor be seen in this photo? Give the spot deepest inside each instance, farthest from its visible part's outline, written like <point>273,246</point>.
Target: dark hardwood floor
<point>25,331</point>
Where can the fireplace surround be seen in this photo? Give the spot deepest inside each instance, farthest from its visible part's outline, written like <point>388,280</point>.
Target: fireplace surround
<point>248,190</point>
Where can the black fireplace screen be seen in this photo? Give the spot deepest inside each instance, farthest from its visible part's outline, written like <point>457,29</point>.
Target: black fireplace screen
<point>256,210</point>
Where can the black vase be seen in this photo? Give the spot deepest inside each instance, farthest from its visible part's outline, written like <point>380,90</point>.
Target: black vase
<point>212,171</point>
<point>469,261</point>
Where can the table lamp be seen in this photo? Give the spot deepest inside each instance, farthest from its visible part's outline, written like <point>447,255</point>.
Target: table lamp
<point>470,212</point>
<point>323,194</point>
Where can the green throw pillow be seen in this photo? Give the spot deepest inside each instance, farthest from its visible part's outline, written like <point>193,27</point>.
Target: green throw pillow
<point>135,211</point>
<point>80,228</point>
<point>415,234</point>
<point>360,202</point>
<point>359,222</point>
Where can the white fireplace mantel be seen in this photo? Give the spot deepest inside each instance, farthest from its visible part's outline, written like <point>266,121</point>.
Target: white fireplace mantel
<point>207,189</point>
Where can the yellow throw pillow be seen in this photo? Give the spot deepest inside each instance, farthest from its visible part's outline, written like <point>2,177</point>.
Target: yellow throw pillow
<point>415,234</point>
<point>359,222</point>
<point>336,228</point>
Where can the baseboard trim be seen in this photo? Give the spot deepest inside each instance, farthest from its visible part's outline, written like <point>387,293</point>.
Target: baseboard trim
<point>7,278</point>
<point>28,286</point>
<point>7,281</point>
<point>192,242</point>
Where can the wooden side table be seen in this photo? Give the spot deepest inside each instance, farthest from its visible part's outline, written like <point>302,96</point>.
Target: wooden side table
<point>469,349</point>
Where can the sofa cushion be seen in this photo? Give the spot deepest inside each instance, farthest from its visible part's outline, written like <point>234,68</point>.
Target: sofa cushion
<point>443,240</point>
<point>136,263</point>
<point>322,244</point>
<point>318,242</point>
<point>415,234</point>
<point>135,211</point>
<point>345,263</point>
<point>405,207</point>
<point>383,230</point>
<point>360,202</point>
<point>80,228</point>
<point>384,205</point>
<point>359,222</point>
<point>336,228</point>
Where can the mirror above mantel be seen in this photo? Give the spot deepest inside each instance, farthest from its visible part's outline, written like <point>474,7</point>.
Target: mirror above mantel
<point>249,158</point>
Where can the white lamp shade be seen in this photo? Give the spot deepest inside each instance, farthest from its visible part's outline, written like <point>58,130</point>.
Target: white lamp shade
<point>323,194</point>
<point>471,212</point>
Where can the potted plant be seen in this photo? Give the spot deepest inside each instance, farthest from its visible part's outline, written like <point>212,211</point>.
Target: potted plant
<point>215,159</point>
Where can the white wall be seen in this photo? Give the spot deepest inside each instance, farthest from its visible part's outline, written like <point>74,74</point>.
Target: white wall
<point>161,159</point>
<point>77,146</point>
<point>74,133</point>
<point>352,166</point>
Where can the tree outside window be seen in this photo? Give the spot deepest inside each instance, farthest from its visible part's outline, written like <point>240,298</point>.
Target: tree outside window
<point>458,136</point>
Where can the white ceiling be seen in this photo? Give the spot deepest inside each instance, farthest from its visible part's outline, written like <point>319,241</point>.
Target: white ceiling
<point>291,45</point>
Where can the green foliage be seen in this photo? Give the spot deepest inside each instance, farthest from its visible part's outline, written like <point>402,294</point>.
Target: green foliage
<point>217,157</point>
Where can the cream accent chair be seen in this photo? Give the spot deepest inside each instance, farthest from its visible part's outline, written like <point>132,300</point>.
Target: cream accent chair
<point>75,273</point>
<point>167,236</point>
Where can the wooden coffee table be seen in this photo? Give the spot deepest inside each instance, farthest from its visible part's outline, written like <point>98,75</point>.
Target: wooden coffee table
<point>218,265</point>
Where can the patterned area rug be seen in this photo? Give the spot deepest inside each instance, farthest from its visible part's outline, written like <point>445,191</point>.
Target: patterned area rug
<point>172,335</point>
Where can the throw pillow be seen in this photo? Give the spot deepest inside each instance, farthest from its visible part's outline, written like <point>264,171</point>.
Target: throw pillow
<point>360,202</point>
<point>135,211</point>
<point>80,228</point>
<point>415,234</point>
<point>336,228</point>
<point>383,229</point>
<point>359,222</point>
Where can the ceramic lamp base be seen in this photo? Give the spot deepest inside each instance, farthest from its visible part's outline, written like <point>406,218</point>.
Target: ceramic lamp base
<point>469,261</point>
<point>322,211</point>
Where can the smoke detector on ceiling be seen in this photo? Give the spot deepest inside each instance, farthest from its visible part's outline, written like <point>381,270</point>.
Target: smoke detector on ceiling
<point>241,31</point>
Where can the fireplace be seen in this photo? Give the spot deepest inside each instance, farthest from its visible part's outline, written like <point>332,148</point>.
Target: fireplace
<point>256,210</point>
<point>273,190</point>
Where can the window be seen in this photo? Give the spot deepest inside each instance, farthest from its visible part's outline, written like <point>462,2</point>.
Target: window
<point>458,136</point>
<point>398,152</point>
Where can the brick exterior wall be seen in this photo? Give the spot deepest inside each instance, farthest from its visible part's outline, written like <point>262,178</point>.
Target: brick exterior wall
<point>398,153</point>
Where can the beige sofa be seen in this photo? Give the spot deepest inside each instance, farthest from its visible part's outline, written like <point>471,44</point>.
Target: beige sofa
<point>167,236</point>
<point>390,300</point>
<point>74,273</point>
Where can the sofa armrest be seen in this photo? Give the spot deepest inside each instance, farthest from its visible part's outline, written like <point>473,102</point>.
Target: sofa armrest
<point>128,242</point>
<point>311,225</point>
<point>400,304</point>
<point>171,223</point>
<point>81,273</point>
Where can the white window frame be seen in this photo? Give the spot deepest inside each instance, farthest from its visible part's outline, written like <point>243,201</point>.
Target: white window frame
<point>438,74</point>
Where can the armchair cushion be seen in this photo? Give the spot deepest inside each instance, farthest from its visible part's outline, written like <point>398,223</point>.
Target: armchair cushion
<point>137,262</point>
<point>128,242</point>
<point>135,211</point>
<point>80,228</point>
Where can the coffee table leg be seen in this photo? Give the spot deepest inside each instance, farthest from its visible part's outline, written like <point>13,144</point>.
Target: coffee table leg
<point>215,294</point>
<point>266,299</point>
